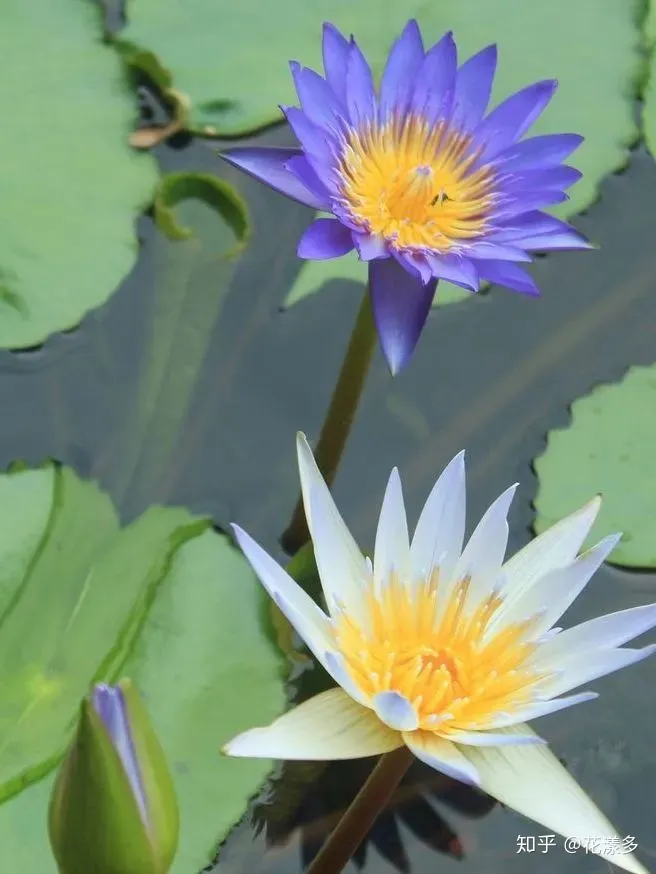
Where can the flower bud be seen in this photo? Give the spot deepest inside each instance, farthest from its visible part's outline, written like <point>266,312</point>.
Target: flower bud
<point>113,808</point>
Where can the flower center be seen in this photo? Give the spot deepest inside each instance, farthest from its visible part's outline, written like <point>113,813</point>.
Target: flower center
<point>414,184</point>
<point>439,654</point>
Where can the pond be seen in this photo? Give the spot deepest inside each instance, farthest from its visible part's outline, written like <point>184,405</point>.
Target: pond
<point>186,389</point>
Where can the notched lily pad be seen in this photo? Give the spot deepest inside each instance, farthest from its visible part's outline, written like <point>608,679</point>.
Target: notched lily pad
<point>220,195</point>
<point>165,600</point>
<point>609,448</point>
<point>71,187</point>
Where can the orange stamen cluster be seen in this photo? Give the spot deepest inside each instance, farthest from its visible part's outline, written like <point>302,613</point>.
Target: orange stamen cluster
<point>441,657</point>
<point>415,184</point>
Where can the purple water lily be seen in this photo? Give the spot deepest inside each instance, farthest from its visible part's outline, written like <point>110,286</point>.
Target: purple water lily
<point>418,179</point>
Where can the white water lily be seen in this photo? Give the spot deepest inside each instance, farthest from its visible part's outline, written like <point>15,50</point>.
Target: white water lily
<point>449,650</point>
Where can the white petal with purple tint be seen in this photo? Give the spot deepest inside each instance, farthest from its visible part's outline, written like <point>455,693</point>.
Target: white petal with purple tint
<point>392,548</point>
<point>442,755</point>
<point>440,530</point>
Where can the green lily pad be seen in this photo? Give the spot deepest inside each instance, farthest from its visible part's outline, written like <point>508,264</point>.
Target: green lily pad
<point>207,670</point>
<point>607,449</point>
<point>231,61</point>
<point>71,187</point>
<point>73,609</point>
<point>313,275</point>
<point>649,90</point>
<point>165,600</point>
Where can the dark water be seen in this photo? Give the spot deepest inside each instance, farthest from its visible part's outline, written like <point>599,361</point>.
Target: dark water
<point>492,375</point>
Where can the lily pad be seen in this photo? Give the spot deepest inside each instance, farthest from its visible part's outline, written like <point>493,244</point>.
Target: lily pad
<point>73,609</point>
<point>165,600</point>
<point>71,187</point>
<point>608,449</point>
<point>649,95</point>
<point>207,670</point>
<point>231,61</point>
<point>313,275</point>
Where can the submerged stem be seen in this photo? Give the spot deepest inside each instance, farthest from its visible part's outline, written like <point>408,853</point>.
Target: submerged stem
<point>340,415</point>
<point>360,816</point>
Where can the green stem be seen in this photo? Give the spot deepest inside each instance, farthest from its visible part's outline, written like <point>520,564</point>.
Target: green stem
<point>340,415</point>
<point>354,826</point>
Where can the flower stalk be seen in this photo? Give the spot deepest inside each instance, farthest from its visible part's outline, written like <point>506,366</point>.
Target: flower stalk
<point>339,418</point>
<point>370,801</point>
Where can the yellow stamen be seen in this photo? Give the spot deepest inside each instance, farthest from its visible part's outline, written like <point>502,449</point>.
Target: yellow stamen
<point>415,184</point>
<point>445,662</point>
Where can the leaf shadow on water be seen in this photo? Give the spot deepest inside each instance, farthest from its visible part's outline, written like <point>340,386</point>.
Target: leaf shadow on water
<point>492,374</point>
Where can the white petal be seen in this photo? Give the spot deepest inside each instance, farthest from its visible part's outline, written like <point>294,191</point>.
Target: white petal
<point>440,530</point>
<point>553,593</point>
<point>392,549</point>
<point>307,618</point>
<point>442,755</point>
<point>343,584</point>
<point>555,548</point>
<point>482,558</point>
<point>395,710</point>
<point>493,738</point>
<point>334,663</point>
<point>604,632</point>
<point>531,780</point>
<point>574,672</point>
<point>348,557</point>
<point>329,726</point>
<point>540,708</point>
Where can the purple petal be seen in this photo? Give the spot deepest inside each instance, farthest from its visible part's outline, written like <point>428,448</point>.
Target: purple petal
<point>527,201</point>
<point>512,118</point>
<point>496,251</point>
<point>318,100</point>
<point>416,263</point>
<point>456,269</point>
<point>317,145</point>
<point>300,166</point>
<point>400,304</point>
<point>109,704</point>
<point>507,274</point>
<point>473,88</point>
<point>556,241</point>
<point>528,224</point>
<point>537,231</point>
<point>370,246</point>
<point>401,69</point>
<point>559,177</point>
<point>335,59</point>
<point>542,151</point>
<point>268,165</point>
<point>346,218</point>
<point>325,238</point>
<point>436,80</point>
<point>360,92</point>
